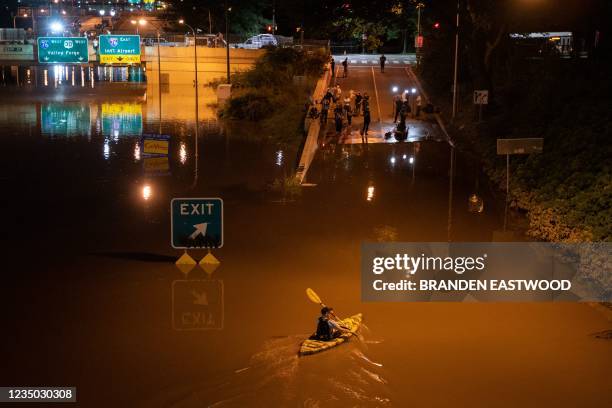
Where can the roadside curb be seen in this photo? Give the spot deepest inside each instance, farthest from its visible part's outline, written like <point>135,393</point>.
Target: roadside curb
<point>436,115</point>
<point>312,137</point>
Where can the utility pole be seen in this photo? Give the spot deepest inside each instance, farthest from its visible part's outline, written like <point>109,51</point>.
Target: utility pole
<point>418,44</point>
<point>273,17</point>
<point>227,42</point>
<point>209,22</point>
<point>159,83</point>
<point>456,64</point>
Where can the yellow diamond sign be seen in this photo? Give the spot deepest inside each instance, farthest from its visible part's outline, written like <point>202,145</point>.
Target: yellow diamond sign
<point>209,263</point>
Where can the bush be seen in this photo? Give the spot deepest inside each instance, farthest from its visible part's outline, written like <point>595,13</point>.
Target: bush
<point>250,105</point>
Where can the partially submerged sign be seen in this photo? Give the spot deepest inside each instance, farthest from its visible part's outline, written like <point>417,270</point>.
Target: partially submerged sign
<point>119,49</point>
<point>67,50</point>
<point>481,97</point>
<point>527,145</point>
<point>155,145</point>
<point>196,223</point>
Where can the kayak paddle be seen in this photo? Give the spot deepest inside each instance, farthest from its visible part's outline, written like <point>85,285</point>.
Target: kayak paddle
<point>312,295</point>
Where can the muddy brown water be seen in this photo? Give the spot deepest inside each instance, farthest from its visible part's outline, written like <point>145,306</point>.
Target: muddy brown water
<point>88,272</point>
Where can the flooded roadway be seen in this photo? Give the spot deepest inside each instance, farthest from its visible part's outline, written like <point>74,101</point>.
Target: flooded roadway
<point>89,271</point>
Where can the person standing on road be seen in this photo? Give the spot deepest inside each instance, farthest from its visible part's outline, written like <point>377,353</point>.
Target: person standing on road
<point>338,114</point>
<point>345,67</point>
<point>366,118</point>
<point>397,106</point>
<point>418,106</point>
<point>337,91</point>
<point>404,110</point>
<point>348,111</point>
<point>333,67</point>
<point>358,99</point>
<point>324,110</point>
<point>383,59</point>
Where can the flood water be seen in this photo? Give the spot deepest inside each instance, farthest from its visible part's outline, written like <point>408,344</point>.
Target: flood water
<point>91,292</point>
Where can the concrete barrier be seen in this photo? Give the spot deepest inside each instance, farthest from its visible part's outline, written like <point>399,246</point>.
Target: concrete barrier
<point>311,144</point>
<point>177,63</point>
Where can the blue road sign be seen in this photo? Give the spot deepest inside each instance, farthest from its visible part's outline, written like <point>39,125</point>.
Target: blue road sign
<point>196,223</point>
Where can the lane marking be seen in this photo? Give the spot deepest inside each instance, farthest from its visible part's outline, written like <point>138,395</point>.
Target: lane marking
<point>376,93</point>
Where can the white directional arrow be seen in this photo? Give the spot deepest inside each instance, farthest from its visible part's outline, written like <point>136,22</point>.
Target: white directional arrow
<point>199,229</point>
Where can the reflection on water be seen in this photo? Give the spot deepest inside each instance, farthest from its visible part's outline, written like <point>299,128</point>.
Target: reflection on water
<point>65,119</point>
<point>183,152</point>
<point>121,119</point>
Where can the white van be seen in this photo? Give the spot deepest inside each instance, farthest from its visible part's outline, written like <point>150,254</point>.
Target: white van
<point>258,41</point>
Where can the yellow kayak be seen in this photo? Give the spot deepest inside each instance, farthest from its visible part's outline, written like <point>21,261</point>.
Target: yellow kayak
<point>316,346</point>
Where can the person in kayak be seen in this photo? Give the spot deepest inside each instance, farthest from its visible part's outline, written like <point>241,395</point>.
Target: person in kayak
<point>327,327</point>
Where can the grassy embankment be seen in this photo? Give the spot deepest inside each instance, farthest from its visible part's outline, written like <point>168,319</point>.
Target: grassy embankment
<point>272,95</point>
<point>271,100</point>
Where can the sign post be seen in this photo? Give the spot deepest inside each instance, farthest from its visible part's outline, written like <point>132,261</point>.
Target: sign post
<point>528,145</point>
<point>481,97</point>
<point>196,223</point>
<point>119,49</point>
<point>67,50</point>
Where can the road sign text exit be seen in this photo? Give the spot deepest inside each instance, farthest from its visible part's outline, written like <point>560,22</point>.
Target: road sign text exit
<point>196,223</point>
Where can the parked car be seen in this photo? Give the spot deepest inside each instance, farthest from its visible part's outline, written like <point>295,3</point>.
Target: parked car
<point>258,41</point>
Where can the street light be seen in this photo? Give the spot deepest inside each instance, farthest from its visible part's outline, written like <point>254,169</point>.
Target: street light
<point>140,22</point>
<point>57,27</point>
<point>227,42</point>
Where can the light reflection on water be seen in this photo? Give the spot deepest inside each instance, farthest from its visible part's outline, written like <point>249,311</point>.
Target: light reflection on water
<point>113,127</point>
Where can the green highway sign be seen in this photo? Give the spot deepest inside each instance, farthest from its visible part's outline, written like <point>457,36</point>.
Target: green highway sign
<point>119,49</point>
<point>196,223</point>
<point>68,50</point>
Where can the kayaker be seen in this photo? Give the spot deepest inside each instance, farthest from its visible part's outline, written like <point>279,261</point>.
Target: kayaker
<point>327,327</point>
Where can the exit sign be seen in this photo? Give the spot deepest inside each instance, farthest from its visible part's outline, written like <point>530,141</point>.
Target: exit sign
<point>196,223</point>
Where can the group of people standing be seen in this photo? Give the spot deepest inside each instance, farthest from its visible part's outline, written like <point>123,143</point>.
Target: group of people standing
<point>401,106</point>
<point>344,109</point>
